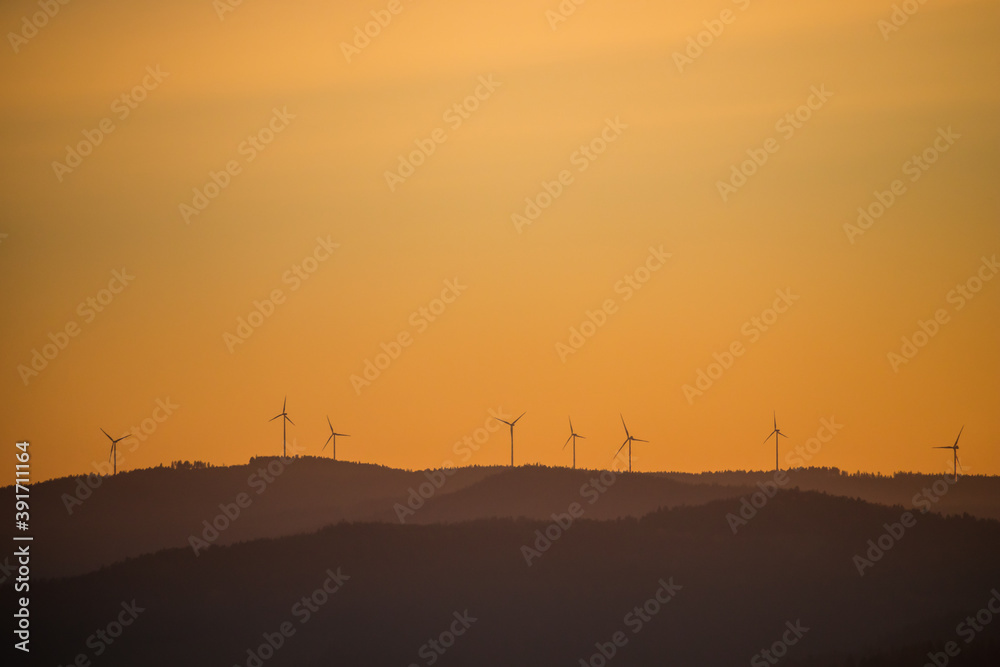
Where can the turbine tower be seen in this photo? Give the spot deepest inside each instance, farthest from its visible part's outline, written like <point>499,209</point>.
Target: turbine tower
<point>284,413</point>
<point>954,449</point>
<point>776,432</point>
<point>511,424</point>
<point>573,435</point>
<point>113,456</point>
<point>333,436</point>
<point>628,441</point>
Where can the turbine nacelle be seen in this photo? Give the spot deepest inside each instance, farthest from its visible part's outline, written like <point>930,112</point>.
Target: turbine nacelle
<point>629,439</point>
<point>954,449</point>
<point>511,424</point>
<point>114,449</point>
<point>333,436</point>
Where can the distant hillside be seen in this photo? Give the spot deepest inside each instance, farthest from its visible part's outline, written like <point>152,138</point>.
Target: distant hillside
<point>973,494</point>
<point>793,563</point>
<point>144,511</point>
<point>535,492</point>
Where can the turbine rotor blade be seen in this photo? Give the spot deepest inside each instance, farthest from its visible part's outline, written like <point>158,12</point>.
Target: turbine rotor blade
<point>769,435</point>
<point>286,417</point>
<point>519,417</point>
<point>567,441</point>
<point>959,433</point>
<point>106,433</point>
<point>621,448</point>
<point>638,440</point>
<point>623,424</point>
<point>276,416</point>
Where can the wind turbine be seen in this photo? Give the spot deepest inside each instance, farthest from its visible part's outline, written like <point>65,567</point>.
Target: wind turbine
<point>628,441</point>
<point>776,432</point>
<point>573,435</point>
<point>954,449</point>
<point>333,436</point>
<point>511,424</point>
<point>284,413</point>
<point>113,456</point>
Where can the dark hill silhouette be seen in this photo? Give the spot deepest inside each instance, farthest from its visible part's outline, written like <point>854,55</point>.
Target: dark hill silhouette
<point>143,511</point>
<point>792,562</point>
<point>536,492</point>
<point>973,494</point>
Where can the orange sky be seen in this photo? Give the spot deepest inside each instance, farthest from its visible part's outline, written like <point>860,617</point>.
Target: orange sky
<point>342,125</point>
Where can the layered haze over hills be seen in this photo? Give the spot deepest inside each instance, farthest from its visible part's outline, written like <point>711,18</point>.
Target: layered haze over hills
<point>528,332</point>
<point>858,565</point>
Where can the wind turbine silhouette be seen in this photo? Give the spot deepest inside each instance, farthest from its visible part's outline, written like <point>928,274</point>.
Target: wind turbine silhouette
<point>113,456</point>
<point>954,449</point>
<point>628,441</point>
<point>573,435</point>
<point>333,436</point>
<point>776,432</point>
<point>511,424</point>
<point>284,413</point>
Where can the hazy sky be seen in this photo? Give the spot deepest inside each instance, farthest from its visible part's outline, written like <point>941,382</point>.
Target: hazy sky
<point>644,127</point>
